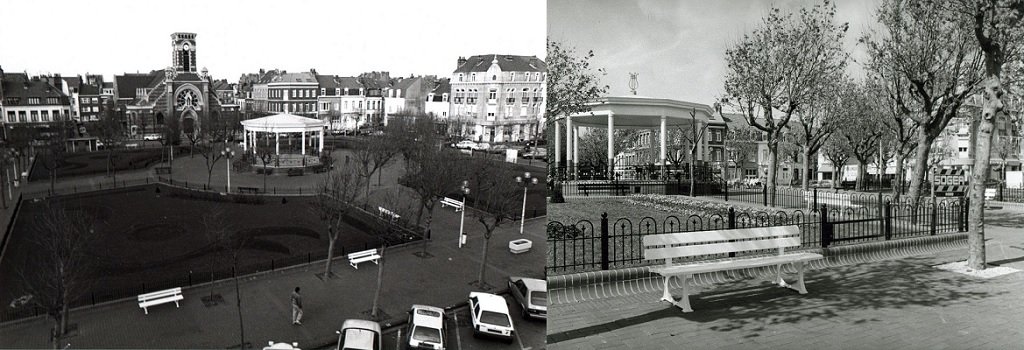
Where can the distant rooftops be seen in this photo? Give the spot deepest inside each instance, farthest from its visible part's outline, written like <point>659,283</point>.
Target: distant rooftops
<point>507,63</point>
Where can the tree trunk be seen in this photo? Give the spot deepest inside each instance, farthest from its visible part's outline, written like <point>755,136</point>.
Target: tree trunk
<point>773,165</point>
<point>861,174</point>
<point>483,261</point>
<point>897,187</point>
<point>430,219</point>
<point>924,143</point>
<point>693,155</point>
<point>991,106</point>
<point>330,253</point>
<point>806,169</point>
<point>238,300</point>
<point>380,280</point>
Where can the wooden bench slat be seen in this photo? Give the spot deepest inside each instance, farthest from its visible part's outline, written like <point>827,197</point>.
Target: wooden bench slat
<point>719,248</point>
<point>720,265</point>
<point>161,301</point>
<point>720,235</point>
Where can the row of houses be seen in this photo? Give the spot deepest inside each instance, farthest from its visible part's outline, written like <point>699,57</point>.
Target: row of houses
<point>493,97</point>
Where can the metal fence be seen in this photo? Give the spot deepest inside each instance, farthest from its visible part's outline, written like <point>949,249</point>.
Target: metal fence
<point>586,246</point>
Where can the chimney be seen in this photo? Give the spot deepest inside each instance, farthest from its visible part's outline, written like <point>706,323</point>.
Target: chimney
<point>58,82</point>
<point>461,61</point>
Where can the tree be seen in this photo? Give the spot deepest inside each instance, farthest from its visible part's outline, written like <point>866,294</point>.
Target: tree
<point>837,151</point>
<point>224,239</point>
<point>888,90</point>
<point>818,120</point>
<point>212,128</point>
<point>334,197</point>
<point>997,27</point>
<point>109,130</point>
<point>55,148</point>
<point>570,85</point>
<point>862,130</point>
<point>741,143</point>
<point>934,55</point>
<point>593,146</point>
<point>495,202</point>
<point>782,66</point>
<point>430,171</point>
<point>170,137</point>
<point>60,274</point>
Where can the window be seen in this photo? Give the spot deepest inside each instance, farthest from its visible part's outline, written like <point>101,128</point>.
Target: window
<point>35,116</point>
<point>21,116</point>
<point>472,77</point>
<point>492,95</point>
<point>11,116</point>
<point>963,149</point>
<point>46,116</point>
<point>494,77</point>
<point>52,100</point>
<point>512,76</point>
<point>33,100</point>
<point>460,76</point>
<point>323,91</point>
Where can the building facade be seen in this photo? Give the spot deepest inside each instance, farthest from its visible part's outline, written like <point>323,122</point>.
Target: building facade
<point>438,103</point>
<point>32,102</point>
<point>499,98</point>
<point>294,93</point>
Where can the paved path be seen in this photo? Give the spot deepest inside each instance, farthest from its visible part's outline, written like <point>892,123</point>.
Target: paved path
<point>888,304</point>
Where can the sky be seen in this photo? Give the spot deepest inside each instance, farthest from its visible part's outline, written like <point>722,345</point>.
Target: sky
<point>235,37</point>
<point>678,47</point>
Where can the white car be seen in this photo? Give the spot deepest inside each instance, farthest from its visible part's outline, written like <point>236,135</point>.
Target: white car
<point>426,327</point>
<point>465,144</point>
<point>489,314</point>
<point>152,137</point>
<point>359,335</point>
<point>531,294</point>
<point>482,146</point>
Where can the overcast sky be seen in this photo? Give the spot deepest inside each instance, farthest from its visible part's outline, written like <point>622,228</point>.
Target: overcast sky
<point>235,37</point>
<point>678,47</point>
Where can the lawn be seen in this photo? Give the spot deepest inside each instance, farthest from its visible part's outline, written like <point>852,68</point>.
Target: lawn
<point>157,239</point>
<point>88,163</point>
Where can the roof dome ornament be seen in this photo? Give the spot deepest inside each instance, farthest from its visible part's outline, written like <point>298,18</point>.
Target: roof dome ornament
<point>205,73</point>
<point>632,82</point>
<point>169,72</point>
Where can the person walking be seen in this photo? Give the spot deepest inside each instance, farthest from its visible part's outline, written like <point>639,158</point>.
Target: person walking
<point>296,307</point>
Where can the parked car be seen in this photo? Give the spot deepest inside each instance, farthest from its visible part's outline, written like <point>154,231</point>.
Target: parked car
<point>426,328</point>
<point>359,335</point>
<point>752,182</point>
<point>498,149</point>
<point>465,144</point>
<point>537,153</point>
<point>152,137</point>
<point>489,316</point>
<point>825,184</point>
<point>531,294</point>
<point>482,146</point>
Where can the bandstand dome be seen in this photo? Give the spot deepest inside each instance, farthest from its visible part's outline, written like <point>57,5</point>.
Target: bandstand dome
<point>284,123</point>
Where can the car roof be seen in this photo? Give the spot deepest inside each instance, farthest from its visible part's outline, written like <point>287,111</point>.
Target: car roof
<point>429,321</point>
<point>358,338</point>
<point>364,324</point>
<point>532,283</point>
<point>490,302</point>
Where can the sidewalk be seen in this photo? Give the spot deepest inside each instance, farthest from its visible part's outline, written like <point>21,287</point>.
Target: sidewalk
<point>887,304</point>
<point>442,280</point>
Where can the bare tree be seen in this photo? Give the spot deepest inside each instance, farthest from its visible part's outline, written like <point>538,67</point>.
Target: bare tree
<point>936,57</point>
<point>888,90</point>
<point>335,196</point>
<point>837,151</point>
<point>692,140</point>
<point>55,148</point>
<point>61,272</point>
<point>495,201</point>
<point>817,121</point>
<point>110,131</point>
<point>782,66</point>
<point>226,243</point>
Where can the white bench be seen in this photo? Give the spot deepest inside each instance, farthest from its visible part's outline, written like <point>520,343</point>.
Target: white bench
<point>367,255</point>
<point>689,244</point>
<point>452,203</point>
<point>160,297</point>
<point>392,216</point>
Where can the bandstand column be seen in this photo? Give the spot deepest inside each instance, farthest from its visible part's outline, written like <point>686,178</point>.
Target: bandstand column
<point>664,137</point>
<point>611,145</point>
<point>321,150</point>
<point>568,148</point>
<point>277,143</point>
<point>575,151</point>
<point>245,140</point>
<point>303,142</point>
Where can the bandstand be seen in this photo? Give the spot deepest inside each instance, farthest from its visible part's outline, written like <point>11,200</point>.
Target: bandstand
<point>624,112</point>
<point>303,139</point>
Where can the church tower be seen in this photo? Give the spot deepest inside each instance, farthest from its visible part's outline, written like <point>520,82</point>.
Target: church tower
<point>184,52</point>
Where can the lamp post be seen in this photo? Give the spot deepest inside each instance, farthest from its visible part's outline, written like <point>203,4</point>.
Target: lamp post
<point>462,222</point>
<point>228,153</point>
<point>526,180</point>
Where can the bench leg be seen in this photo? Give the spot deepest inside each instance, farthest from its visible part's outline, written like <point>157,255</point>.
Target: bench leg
<point>684,301</point>
<point>145,310</point>
<point>176,304</point>
<point>354,265</point>
<point>666,295</point>
<point>799,285</point>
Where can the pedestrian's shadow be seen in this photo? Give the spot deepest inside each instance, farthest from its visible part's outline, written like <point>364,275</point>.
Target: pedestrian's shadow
<point>749,306</point>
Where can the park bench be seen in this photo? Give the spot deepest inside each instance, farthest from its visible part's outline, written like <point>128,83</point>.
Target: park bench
<point>367,255</point>
<point>295,172</point>
<point>451,203</point>
<point>615,189</point>
<point>160,297</point>
<point>390,215</point>
<point>693,244</point>
<point>253,190</point>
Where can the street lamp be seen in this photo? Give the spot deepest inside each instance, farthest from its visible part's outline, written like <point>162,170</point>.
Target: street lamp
<point>526,181</point>
<point>462,222</point>
<point>228,153</point>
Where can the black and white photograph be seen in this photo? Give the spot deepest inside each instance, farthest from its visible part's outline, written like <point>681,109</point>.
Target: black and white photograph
<point>273,175</point>
<point>810,174</point>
